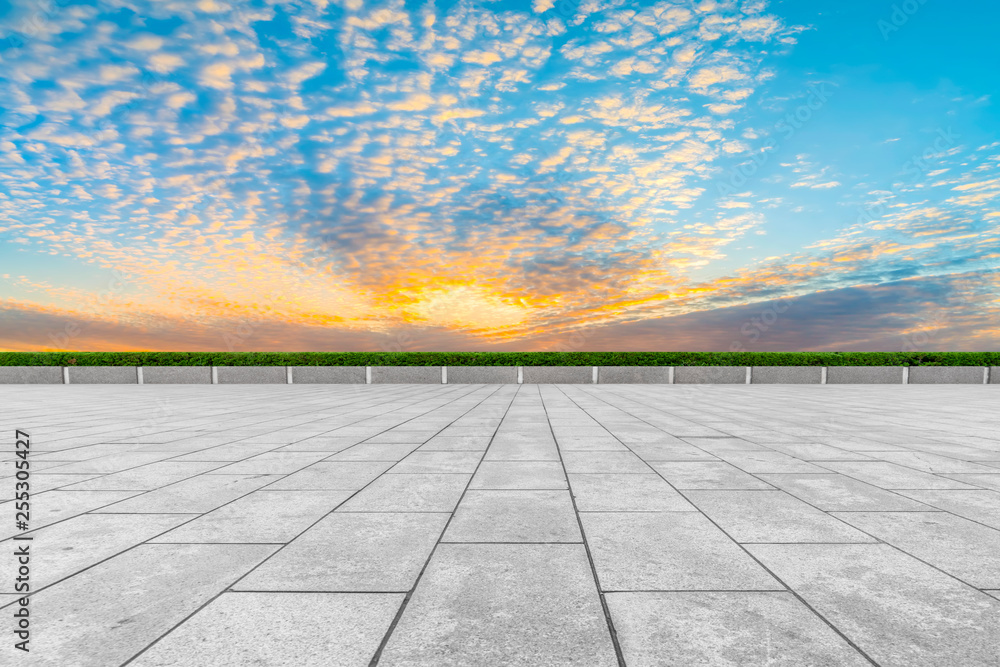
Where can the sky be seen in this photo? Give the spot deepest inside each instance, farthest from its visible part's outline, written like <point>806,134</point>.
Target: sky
<point>494,175</point>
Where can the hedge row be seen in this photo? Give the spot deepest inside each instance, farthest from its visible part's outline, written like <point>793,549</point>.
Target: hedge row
<point>499,358</point>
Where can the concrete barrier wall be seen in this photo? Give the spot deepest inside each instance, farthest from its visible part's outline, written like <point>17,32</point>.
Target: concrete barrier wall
<point>406,375</point>
<point>103,375</point>
<point>557,374</point>
<point>946,375</point>
<point>31,375</point>
<point>499,375</point>
<point>328,374</point>
<point>710,375</point>
<point>177,375</point>
<point>252,374</point>
<point>482,374</point>
<point>864,375</point>
<point>634,374</point>
<point>786,375</point>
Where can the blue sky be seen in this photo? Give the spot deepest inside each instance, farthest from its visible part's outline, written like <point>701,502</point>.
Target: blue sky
<point>498,175</point>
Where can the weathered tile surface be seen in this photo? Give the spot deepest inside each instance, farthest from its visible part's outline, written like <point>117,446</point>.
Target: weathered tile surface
<point>351,495</point>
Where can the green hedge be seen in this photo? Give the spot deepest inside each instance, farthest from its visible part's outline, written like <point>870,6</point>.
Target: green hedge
<point>499,358</point>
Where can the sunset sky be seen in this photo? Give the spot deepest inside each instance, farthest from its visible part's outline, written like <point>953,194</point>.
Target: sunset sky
<point>492,175</point>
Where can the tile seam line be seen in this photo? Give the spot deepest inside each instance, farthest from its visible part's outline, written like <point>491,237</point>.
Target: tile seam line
<point>609,621</point>
<point>377,656</point>
<point>799,597</point>
<point>828,513</point>
<point>245,574</point>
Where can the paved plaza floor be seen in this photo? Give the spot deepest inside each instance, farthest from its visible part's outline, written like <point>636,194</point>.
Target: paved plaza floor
<point>529,525</point>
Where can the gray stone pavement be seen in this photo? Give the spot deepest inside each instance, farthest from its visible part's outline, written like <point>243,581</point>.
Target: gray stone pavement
<point>465,525</point>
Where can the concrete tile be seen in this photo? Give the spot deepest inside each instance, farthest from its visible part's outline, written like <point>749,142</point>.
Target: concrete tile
<point>978,505</point>
<point>333,475</point>
<point>279,629</point>
<point>891,476</point>
<point>376,452</point>
<point>402,436</point>
<point>519,475</point>
<point>236,451</point>
<point>195,495</point>
<point>52,506</point>
<point>444,443</point>
<point>41,481</point>
<point>611,492</point>
<point>345,551</point>
<point>113,462</point>
<point>271,463</point>
<point>702,628</point>
<point>833,492</point>
<point>771,516</point>
<point>895,608</point>
<point>328,374</point>
<point>410,493</point>
<point>719,445</point>
<point>995,594</point>
<point>650,451</point>
<point>960,547</point>
<point>581,443</point>
<point>152,588</point>
<point>258,517</point>
<point>635,551</point>
<point>503,604</point>
<point>438,462</point>
<point>966,481</point>
<point>604,462</point>
<point>63,549</point>
<point>763,462</point>
<point>522,451</point>
<point>819,452</point>
<point>932,462</point>
<point>707,475</point>
<point>514,516</point>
